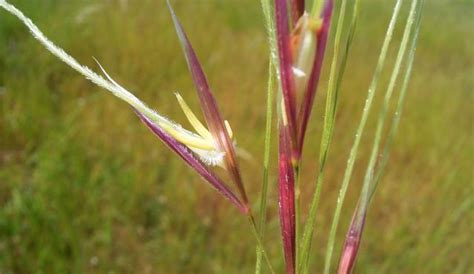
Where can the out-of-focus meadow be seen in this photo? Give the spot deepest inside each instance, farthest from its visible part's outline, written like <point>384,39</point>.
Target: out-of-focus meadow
<point>86,188</point>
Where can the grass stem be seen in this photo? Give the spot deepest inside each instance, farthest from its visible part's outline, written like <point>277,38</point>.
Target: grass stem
<point>256,233</point>
<point>266,162</point>
<point>266,8</point>
<point>316,9</point>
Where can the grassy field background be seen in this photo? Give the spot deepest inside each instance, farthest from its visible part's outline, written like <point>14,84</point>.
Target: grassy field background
<point>85,187</point>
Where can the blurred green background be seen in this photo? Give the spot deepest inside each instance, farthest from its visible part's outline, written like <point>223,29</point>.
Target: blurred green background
<point>85,187</point>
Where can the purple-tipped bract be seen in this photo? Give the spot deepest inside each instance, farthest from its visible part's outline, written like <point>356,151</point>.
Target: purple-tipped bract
<point>352,242</point>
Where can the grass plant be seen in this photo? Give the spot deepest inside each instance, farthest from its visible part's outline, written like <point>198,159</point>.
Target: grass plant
<point>72,201</point>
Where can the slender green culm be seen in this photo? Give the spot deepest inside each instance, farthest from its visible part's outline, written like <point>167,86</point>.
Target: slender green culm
<point>316,10</point>
<point>369,175</point>
<point>334,87</point>
<point>400,103</point>
<point>260,245</point>
<point>335,79</point>
<point>268,129</point>
<point>358,137</point>
<point>271,32</point>
<point>266,161</point>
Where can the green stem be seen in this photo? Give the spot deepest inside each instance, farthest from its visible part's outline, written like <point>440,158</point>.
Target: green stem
<point>358,137</point>
<point>271,32</point>
<point>272,66</point>
<point>316,10</point>
<point>305,246</point>
<point>266,162</point>
<point>259,241</point>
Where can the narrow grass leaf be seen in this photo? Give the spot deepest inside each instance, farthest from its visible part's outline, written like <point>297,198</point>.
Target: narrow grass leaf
<point>400,104</point>
<point>356,228</point>
<point>369,175</point>
<point>358,137</point>
<point>267,11</point>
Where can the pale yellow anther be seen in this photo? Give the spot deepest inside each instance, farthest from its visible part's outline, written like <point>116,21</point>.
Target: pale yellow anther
<point>186,138</point>
<point>229,129</point>
<point>193,120</point>
<point>315,24</point>
<point>283,113</point>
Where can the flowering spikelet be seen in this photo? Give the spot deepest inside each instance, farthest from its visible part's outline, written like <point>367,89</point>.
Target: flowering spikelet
<point>219,129</point>
<point>301,53</point>
<point>189,157</point>
<point>199,150</point>
<point>301,47</point>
